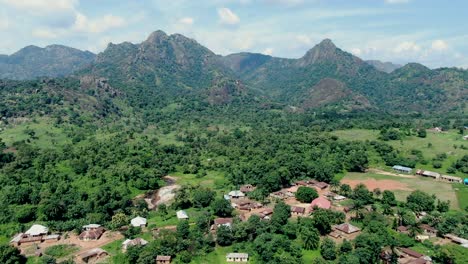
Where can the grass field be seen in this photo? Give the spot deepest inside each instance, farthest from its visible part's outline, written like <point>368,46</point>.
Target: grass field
<point>443,191</point>
<point>47,135</point>
<point>462,195</point>
<point>218,256</point>
<point>439,143</point>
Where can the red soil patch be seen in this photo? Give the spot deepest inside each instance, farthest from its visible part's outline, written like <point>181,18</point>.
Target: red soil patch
<point>383,185</point>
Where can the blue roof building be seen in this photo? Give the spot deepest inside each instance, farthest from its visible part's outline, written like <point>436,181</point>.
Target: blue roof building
<point>465,181</point>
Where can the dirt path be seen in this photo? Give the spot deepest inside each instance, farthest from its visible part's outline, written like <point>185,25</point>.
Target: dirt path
<point>378,171</point>
<point>107,237</point>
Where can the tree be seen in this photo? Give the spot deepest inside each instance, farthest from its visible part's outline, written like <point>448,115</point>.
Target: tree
<point>419,201</point>
<point>422,133</point>
<point>202,197</point>
<point>310,238</point>
<point>203,221</point>
<point>322,222</point>
<point>11,255</point>
<point>443,206</point>
<point>345,190</point>
<point>183,229</point>
<point>306,194</point>
<point>346,247</point>
<point>119,220</point>
<point>388,198</point>
<point>221,208</point>
<point>224,236</point>
<point>362,195</point>
<point>328,249</point>
<point>281,214</point>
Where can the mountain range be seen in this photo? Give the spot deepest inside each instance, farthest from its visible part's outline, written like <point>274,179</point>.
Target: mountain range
<point>51,61</point>
<point>167,68</point>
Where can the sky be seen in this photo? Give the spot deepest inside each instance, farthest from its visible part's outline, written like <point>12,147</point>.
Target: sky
<point>431,32</point>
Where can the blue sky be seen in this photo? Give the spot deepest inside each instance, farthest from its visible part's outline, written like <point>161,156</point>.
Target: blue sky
<point>431,32</point>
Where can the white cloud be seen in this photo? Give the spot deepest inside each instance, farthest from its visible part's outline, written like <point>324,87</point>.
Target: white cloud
<point>407,46</point>
<point>42,7</point>
<point>439,45</point>
<point>226,16</point>
<point>86,25</point>
<point>304,39</point>
<point>44,33</point>
<point>397,1</point>
<point>268,51</point>
<point>286,2</point>
<point>4,23</point>
<point>356,51</point>
<point>186,21</point>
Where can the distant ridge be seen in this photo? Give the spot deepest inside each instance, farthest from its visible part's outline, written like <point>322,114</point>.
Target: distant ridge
<point>51,61</point>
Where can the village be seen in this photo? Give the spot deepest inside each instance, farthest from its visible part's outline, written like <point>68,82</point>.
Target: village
<point>93,236</point>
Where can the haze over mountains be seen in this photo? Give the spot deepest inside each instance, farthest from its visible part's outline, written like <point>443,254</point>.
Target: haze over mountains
<point>165,67</point>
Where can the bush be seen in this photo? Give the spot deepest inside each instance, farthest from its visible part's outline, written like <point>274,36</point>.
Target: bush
<point>306,194</point>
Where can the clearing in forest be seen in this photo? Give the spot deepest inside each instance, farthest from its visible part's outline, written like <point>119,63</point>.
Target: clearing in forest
<point>403,186</point>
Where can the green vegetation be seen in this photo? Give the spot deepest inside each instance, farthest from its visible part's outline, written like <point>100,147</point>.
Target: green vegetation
<point>441,190</point>
<point>60,251</point>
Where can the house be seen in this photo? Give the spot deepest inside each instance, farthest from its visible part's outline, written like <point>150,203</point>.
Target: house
<point>227,222</point>
<point>435,130</point>
<point>91,232</point>
<point>347,228</point>
<point>237,257</point>
<point>134,242</point>
<point>409,256</point>
<point>246,205</point>
<point>321,185</point>
<point>430,174</point>
<point>297,211</point>
<point>428,230</point>
<point>451,178</point>
<point>465,137</point>
<point>279,195</point>
<point>292,190</point>
<point>247,188</point>
<point>35,234</point>
<point>266,213</point>
<point>236,195</point>
<point>402,229</point>
<point>402,169</point>
<point>37,231</point>
<point>457,240</point>
<point>339,198</point>
<point>93,255</point>
<point>334,235</point>
<point>138,222</point>
<point>163,259</point>
<point>182,215</point>
<point>320,202</point>
<point>302,183</point>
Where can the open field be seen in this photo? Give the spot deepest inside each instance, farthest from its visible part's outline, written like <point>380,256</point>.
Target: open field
<point>462,195</point>
<point>440,143</point>
<point>403,186</point>
<point>46,135</point>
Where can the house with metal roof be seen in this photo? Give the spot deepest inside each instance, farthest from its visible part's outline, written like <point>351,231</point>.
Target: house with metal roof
<point>37,230</point>
<point>402,169</point>
<point>138,221</point>
<point>182,215</point>
<point>236,194</point>
<point>237,257</point>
